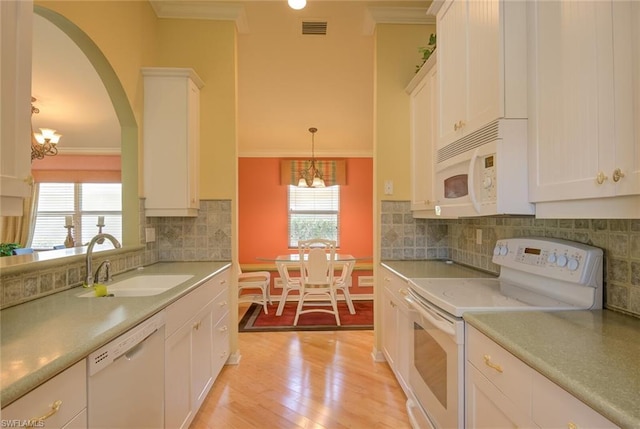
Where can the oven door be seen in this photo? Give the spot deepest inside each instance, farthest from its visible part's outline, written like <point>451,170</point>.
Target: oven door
<point>436,374</point>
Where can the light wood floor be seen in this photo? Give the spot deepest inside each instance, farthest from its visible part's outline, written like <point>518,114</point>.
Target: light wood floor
<point>304,380</point>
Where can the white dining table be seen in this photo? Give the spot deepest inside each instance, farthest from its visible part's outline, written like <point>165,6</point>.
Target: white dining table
<point>292,260</point>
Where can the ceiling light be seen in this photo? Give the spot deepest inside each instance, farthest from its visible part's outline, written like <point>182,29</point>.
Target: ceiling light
<point>297,4</point>
<point>45,142</point>
<point>311,177</point>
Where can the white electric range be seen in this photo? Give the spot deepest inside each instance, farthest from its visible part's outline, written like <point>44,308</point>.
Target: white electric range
<point>540,274</point>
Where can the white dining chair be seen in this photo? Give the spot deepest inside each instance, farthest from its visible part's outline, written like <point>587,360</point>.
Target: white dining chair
<point>257,281</point>
<point>343,282</point>
<point>317,280</point>
<point>289,284</point>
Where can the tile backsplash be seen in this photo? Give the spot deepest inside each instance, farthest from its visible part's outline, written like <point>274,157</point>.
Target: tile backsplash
<point>206,237</point>
<point>402,238</point>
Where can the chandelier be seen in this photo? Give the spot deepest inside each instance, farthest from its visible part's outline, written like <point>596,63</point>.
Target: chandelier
<point>45,142</point>
<point>311,177</point>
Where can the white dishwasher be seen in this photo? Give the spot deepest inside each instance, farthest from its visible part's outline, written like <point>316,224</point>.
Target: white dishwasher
<point>126,379</point>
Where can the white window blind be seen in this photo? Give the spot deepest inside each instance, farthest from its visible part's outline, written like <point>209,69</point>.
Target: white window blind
<point>84,202</point>
<point>314,213</point>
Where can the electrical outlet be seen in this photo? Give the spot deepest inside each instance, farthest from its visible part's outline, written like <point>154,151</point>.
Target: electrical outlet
<point>478,236</point>
<point>388,187</point>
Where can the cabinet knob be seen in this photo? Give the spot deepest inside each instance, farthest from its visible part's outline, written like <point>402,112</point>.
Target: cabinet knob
<point>600,178</point>
<point>617,174</point>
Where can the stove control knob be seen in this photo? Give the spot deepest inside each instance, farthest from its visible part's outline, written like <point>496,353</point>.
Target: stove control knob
<point>572,264</point>
<point>504,250</point>
<point>552,258</point>
<point>496,250</point>
<point>562,260</point>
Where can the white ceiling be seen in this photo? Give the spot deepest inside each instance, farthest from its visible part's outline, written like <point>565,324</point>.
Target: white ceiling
<point>73,100</point>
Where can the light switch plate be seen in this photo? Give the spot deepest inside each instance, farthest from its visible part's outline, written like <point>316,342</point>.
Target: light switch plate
<point>150,235</point>
<point>388,187</point>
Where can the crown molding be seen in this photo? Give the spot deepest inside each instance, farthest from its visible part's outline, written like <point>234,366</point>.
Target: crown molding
<point>202,10</point>
<point>396,15</point>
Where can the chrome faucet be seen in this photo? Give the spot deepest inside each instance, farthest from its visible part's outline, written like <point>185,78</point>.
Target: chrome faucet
<point>107,272</point>
<point>89,278</point>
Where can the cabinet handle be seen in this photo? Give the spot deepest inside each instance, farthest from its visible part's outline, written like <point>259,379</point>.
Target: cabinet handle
<point>223,281</point>
<point>458,125</point>
<point>403,292</point>
<point>223,329</point>
<point>617,174</point>
<point>387,279</point>
<point>572,425</point>
<point>393,304</point>
<point>487,361</point>
<point>222,303</point>
<point>600,178</point>
<point>54,409</point>
<point>196,326</point>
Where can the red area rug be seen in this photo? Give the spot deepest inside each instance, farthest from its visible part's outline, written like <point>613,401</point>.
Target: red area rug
<point>254,320</point>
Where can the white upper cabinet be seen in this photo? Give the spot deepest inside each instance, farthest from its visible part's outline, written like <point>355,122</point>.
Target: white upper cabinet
<point>422,95</point>
<point>482,69</point>
<point>16,19</point>
<point>171,141</point>
<point>584,104</point>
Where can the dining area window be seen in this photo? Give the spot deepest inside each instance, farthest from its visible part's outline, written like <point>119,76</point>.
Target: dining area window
<point>85,203</point>
<point>313,213</point>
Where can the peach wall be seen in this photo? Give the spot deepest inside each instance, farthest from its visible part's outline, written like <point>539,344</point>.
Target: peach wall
<point>262,211</point>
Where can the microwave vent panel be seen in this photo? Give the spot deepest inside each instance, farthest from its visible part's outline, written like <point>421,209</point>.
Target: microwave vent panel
<point>476,139</point>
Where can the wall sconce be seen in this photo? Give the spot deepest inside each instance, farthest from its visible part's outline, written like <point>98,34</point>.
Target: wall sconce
<point>297,4</point>
<point>45,142</point>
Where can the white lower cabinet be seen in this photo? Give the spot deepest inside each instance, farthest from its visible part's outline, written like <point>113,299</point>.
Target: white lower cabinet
<point>193,347</point>
<point>395,328</point>
<point>59,403</point>
<point>502,391</point>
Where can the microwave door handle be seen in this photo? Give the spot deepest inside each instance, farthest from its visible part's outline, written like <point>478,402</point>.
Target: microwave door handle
<point>471,180</point>
<point>433,318</point>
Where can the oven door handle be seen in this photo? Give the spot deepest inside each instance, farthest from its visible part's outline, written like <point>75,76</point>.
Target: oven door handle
<point>431,316</point>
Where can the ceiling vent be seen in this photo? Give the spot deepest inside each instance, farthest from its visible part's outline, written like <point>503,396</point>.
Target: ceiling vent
<point>314,27</point>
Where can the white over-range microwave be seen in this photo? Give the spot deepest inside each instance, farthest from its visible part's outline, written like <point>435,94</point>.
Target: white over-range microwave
<point>484,173</point>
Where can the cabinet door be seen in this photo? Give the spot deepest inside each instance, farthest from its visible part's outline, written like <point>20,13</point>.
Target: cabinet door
<point>488,407</point>
<point>571,126</point>
<point>15,72</point>
<point>484,58</point>
<point>178,399</point>
<point>423,109</point>
<point>452,70</point>
<point>626,56</point>
<point>390,329</point>
<point>201,355</point>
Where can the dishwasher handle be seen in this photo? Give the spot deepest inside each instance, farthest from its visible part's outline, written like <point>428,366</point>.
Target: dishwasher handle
<point>133,351</point>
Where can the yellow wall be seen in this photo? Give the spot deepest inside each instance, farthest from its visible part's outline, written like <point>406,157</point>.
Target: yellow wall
<point>209,48</point>
<point>131,37</point>
<point>396,58</point>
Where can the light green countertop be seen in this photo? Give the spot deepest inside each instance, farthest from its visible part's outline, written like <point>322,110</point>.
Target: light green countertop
<point>594,355</point>
<point>41,338</point>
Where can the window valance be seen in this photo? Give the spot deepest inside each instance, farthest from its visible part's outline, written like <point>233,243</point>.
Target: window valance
<point>334,171</point>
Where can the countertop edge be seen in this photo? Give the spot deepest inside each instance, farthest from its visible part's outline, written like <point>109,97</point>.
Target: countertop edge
<point>29,382</point>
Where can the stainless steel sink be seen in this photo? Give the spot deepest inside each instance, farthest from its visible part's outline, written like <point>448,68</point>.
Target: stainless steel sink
<point>142,285</point>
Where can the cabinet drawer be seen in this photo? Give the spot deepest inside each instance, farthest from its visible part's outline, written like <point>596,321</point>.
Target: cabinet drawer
<point>69,387</point>
<point>555,407</point>
<point>509,374</point>
<point>220,306</point>
<point>182,310</point>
